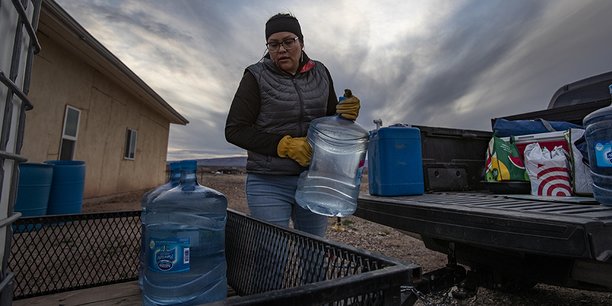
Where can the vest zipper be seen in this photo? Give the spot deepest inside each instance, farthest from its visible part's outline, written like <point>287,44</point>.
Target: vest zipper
<point>301,103</point>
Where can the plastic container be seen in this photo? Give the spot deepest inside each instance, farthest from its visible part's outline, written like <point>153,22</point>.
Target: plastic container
<point>331,185</point>
<point>66,195</point>
<point>173,181</point>
<point>395,164</point>
<point>33,189</point>
<point>33,193</point>
<point>598,134</point>
<point>185,236</point>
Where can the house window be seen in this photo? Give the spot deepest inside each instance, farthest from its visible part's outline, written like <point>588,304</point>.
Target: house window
<point>130,144</point>
<point>69,133</point>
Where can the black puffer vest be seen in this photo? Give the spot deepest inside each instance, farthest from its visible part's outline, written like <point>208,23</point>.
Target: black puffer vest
<point>288,104</point>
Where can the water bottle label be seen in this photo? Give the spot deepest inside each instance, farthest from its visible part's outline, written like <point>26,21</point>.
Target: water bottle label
<point>169,255</point>
<point>360,168</point>
<point>603,155</point>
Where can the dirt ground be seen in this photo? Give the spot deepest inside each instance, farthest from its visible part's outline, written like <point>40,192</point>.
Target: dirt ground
<point>384,240</point>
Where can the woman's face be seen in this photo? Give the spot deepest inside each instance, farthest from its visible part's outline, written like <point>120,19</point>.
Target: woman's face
<point>285,51</point>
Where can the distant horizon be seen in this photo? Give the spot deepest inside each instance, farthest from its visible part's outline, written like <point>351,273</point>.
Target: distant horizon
<point>233,161</point>
<point>208,158</point>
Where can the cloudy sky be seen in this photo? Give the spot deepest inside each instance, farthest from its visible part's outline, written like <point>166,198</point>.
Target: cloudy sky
<point>443,63</point>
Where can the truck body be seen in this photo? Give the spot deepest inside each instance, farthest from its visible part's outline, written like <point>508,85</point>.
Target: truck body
<point>507,241</point>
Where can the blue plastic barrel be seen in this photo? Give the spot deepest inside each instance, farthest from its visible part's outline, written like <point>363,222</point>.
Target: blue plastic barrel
<point>33,189</point>
<point>66,196</point>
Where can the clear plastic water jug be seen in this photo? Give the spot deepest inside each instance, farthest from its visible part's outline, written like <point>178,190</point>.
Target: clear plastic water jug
<point>598,136</point>
<point>185,244</point>
<point>173,181</point>
<point>331,185</point>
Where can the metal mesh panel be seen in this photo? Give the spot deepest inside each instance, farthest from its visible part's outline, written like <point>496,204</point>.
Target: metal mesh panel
<point>59,253</point>
<point>306,270</point>
<point>267,265</point>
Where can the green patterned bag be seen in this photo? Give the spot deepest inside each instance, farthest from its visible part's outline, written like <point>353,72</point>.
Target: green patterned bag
<point>503,162</point>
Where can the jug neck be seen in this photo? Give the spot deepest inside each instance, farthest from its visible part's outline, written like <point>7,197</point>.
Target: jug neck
<point>340,117</point>
<point>175,177</point>
<point>188,176</point>
<point>188,180</point>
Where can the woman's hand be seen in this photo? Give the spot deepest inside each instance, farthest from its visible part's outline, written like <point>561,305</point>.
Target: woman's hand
<point>296,148</point>
<point>349,108</point>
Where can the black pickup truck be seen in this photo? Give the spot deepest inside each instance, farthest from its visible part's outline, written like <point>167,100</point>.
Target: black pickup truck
<point>505,242</point>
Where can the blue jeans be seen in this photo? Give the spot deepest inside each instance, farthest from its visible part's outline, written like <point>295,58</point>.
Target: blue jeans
<point>272,198</point>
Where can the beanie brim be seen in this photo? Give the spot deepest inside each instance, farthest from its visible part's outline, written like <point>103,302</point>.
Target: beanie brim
<point>283,24</point>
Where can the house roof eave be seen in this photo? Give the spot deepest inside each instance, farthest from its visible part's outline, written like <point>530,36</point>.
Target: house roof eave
<point>70,33</point>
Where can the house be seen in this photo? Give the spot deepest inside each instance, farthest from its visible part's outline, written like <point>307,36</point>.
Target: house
<point>89,106</point>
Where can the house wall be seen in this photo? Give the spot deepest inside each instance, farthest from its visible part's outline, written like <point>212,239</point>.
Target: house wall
<point>61,78</point>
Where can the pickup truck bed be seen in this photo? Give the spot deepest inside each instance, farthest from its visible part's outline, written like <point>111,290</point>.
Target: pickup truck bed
<point>520,240</point>
<point>507,241</point>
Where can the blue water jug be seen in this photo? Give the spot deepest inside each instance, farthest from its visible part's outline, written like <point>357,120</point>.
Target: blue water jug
<point>395,165</point>
<point>331,185</point>
<point>598,136</point>
<point>173,181</point>
<point>185,244</point>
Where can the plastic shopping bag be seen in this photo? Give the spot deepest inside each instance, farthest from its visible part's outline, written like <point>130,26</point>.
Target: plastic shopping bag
<point>548,171</point>
<point>579,163</point>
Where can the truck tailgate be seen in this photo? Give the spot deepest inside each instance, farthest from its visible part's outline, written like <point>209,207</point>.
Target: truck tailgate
<point>497,221</point>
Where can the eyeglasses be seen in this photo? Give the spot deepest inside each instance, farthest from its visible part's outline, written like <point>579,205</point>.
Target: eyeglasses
<point>288,44</point>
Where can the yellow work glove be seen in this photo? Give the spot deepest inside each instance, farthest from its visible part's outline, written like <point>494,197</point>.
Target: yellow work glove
<point>349,107</point>
<point>296,148</point>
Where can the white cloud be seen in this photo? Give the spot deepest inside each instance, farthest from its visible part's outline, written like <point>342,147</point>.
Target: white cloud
<point>446,63</point>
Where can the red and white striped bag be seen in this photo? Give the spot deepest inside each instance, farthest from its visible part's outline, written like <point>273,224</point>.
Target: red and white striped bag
<point>548,171</point>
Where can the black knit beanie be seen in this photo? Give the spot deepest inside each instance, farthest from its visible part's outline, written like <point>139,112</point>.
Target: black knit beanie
<point>283,23</point>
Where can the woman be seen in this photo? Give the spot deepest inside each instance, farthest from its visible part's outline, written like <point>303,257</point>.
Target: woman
<point>275,102</point>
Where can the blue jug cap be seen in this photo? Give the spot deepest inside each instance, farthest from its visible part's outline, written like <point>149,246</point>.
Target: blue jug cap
<point>189,164</point>
<point>604,113</point>
<point>610,87</point>
<point>175,165</point>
